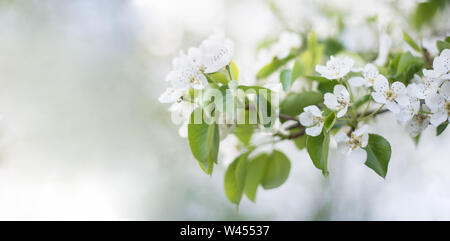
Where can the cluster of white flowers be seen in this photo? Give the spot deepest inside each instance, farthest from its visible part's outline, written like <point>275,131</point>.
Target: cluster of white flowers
<point>428,102</point>
<point>415,106</point>
<point>190,72</point>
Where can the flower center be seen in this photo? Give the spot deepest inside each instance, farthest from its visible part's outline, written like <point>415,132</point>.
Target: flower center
<point>317,120</point>
<point>342,103</point>
<point>355,141</point>
<point>390,95</point>
<point>447,106</point>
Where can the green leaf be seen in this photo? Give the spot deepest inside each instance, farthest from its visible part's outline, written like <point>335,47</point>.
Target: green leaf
<point>441,128</point>
<point>411,42</point>
<point>300,142</point>
<point>204,141</point>
<point>277,170</point>
<point>297,70</point>
<point>244,134</point>
<point>294,103</point>
<point>378,154</point>
<point>234,71</point>
<point>332,46</point>
<point>285,79</point>
<point>234,180</point>
<point>273,66</point>
<point>425,12</point>
<point>326,87</point>
<point>264,98</point>
<point>416,139</point>
<point>441,45</point>
<point>404,62</point>
<point>329,121</point>
<point>218,77</point>
<point>255,174</point>
<point>317,147</point>
<point>317,78</point>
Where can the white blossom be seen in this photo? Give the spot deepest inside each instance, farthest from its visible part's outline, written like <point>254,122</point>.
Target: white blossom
<point>384,47</point>
<point>312,119</point>
<point>370,73</point>
<point>171,95</point>
<point>441,67</point>
<point>353,145</point>
<point>417,124</point>
<point>285,44</point>
<point>213,54</point>
<point>181,113</point>
<point>439,104</point>
<point>408,111</point>
<point>392,95</point>
<point>336,67</point>
<point>338,101</point>
<point>411,107</point>
<point>186,74</point>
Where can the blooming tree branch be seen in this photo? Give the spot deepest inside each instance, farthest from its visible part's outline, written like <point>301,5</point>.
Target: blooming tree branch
<point>339,95</point>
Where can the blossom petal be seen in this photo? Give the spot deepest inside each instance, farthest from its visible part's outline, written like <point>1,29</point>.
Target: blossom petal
<point>342,112</point>
<point>441,64</point>
<point>314,130</point>
<point>398,88</point>
<point>445,90</point>
<point>435,102</point>
<point>381,84</point>
<point>341,137</point>
<point>314,110</point>
<point>358,155</point>
<point>378,97</point>
<point>364,140</point>
<point>403,100</point>
<point>392,106</point>
<point>306,119</point>
<point>330,101</point>
<point>356,81</point>
<point>438,117</point>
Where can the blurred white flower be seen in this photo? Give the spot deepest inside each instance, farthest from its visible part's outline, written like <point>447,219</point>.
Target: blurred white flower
<point>417,124</point>
<point>336,68</point>
<point>439,104</point>
<point>384,47</point>
<point>186,74</point>
<point>338,101</point>
<point>171,95</point>
<point>392,95</point>
<point>408,111</point>
<point>411,107</point>
<point>213,54</point>
<point>353,144</point>
<point>441,67</point>
<point>181,113</point>
<point>312,119</point>
<point>370,73</point>
<point>285,44</point>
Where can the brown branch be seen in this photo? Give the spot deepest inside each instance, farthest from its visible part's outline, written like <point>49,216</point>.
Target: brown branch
<point>427,56</point>
<point>302,131</point>
<point>287,117</point>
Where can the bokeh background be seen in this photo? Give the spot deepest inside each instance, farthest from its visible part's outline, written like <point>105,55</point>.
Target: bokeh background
<point>83,136</point>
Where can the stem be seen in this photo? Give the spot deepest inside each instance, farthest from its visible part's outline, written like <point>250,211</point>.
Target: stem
<point>372,114</point>
<point>229,72</point>
<point>367,107</point>
<point>427,57</point>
